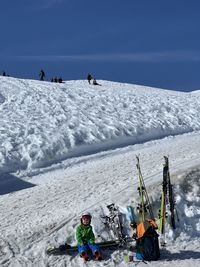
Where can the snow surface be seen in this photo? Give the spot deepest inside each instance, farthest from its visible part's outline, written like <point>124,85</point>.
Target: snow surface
<point>66,148</point>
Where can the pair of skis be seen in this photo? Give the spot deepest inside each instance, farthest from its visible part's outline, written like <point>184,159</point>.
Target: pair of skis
<point>67,249</point>
<point>145,213</point>
<point>144,207</point>
<point>167,199</point>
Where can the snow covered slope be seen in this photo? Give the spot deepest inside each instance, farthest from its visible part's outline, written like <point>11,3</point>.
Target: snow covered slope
<point>43,123</point>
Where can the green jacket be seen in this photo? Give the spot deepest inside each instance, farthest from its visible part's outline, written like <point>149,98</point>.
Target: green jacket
<point>84,234</point>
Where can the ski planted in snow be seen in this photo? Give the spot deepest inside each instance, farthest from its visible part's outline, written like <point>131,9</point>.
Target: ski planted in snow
<point>164,201</point>
<point>167,198</point>
<point>170,196</point>
<point>144,207</point>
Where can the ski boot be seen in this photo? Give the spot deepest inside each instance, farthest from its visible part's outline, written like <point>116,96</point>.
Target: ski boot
<point>97,256</point>
<point>84,256</point>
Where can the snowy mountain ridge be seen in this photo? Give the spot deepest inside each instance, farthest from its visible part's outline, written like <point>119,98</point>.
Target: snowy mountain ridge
<point>43,123</point>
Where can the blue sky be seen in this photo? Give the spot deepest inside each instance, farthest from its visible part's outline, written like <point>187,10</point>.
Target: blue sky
<point>155,43</point>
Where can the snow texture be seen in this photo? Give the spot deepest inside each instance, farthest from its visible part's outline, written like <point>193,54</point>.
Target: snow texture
<point>66,148</point>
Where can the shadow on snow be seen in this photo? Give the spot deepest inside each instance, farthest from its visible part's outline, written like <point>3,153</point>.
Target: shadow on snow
<point>10,183</point>
<point>181,255</point>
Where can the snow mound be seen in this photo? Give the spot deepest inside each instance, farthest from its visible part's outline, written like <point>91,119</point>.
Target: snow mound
<point>43,123</point>
<point>188,207</point>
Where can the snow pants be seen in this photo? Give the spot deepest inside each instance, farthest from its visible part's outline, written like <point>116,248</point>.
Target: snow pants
<point>87,248</point>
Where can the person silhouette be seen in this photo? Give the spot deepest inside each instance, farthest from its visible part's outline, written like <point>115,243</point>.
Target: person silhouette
<point>42,75</point>
<point>95,82</point>
<point>89,78</point>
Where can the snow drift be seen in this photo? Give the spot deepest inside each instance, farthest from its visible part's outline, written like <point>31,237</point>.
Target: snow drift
<point>43,123</point>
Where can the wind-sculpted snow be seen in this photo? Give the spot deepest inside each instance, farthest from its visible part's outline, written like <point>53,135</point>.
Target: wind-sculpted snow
<point>43,123</point>
<point>47,214</point>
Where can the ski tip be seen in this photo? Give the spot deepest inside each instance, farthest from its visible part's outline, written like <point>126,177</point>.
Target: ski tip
<point>50,250</point>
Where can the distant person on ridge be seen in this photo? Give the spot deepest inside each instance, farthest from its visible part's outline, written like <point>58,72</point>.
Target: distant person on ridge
<point>89,78</point>
<point>95,82</point>
<point>42,75</point>
<point>4,73</point>
<point>60,80</point>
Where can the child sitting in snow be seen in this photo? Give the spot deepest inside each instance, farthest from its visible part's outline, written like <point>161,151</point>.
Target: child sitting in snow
<point>86,239</point>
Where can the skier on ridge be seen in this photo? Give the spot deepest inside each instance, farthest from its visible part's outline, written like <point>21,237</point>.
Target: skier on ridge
<point>86,239</point>
<point>89,78</point>
<point>42,75</point>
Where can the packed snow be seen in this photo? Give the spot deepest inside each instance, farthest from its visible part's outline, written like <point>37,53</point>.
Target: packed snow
<point>67,148</point>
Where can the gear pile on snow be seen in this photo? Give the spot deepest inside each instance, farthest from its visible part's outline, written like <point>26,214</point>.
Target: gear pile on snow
<point>143,223</point>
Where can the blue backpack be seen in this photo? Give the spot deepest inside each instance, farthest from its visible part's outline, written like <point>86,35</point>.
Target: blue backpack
<point>147,247</point>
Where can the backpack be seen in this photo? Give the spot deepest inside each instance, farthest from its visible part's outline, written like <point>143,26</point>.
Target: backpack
<point>147,246</point>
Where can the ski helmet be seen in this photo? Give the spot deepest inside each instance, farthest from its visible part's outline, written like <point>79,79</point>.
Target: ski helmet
<point>86,215</point>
